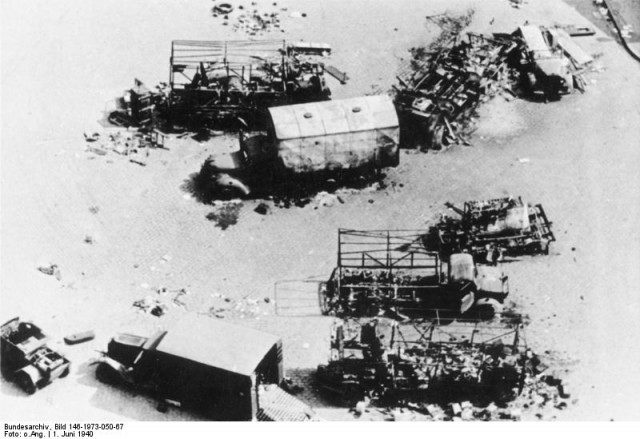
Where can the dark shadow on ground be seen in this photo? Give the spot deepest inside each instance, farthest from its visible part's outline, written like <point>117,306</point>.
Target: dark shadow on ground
<point>307,388</point>
<point>126,401</point>
<point>295,191</point>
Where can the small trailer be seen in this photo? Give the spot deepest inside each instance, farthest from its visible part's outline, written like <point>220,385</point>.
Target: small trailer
<point>390,272</point>
<point>314,141</point>
<point>491,229</point>
<point>437,360</point>
<point>223,371</point>
<point>26,358</point>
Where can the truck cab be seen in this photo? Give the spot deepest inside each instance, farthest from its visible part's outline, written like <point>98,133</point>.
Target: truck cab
<point>222,371</point>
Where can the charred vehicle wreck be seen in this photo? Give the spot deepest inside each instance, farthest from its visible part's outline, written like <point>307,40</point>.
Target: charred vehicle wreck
<point>384,272</point>
<point>439,361</point>
<point>308,142</point>
<point>223,371</point>
<point>216,84</point>
<point>493,229</point>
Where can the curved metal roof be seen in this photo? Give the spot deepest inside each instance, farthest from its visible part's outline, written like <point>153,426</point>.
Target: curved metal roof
<point>333,117</point>
<point>226,346</point>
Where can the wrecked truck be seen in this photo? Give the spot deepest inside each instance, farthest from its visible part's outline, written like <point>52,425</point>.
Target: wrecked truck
<point>390,272</point>
<point>315,141</point>
<point>493,229</point>
<point>26,358</point>
<point>217,84</point>
<point>545,70</point>
<point>438,360</point>
<point>222,371</point>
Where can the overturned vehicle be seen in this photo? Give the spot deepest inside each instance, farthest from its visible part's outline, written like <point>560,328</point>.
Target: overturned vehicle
<point>308,142</point>
<point>390,272</point>
<point>223,371</point>
<point>493,229</point>
<point>26,358</point>
<point>439,361</point>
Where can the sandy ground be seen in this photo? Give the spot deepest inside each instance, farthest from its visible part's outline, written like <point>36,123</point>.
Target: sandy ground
<point>62,61</point>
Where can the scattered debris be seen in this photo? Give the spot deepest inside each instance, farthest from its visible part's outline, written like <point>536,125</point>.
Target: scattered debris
<point>159,304</point>
<point>223,8</point>
<point>262,209</point>
<point>51,270</point>
<point>127,143</point>
<point>339,75</point>
<point>245,308</point>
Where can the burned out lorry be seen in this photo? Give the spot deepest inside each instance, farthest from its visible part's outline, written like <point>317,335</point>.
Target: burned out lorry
<point>493,229</point>
<point>219,370</point>
<point>423,361</point>
<point>312,142</point>
<point>27,359</point>
<point>225,84</point>
<point>385,272</point>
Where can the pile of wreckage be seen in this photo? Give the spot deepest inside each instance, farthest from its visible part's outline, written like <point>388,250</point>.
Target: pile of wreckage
<point>437,99</point>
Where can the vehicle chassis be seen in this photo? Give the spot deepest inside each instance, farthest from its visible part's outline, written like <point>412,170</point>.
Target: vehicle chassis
<point>391,272</point>
<point>466,233</point>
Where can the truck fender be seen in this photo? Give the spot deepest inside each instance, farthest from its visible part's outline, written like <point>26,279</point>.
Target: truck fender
<point>467,302</point>
<point>487,308</point>
<point>110,371</point>
<point>227,184</point>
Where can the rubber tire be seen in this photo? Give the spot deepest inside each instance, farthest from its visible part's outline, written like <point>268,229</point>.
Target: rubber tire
<point>66,371</point>
<point>106,375</point>
<point>544,248</point>
<point>230,193</point>
<point>24,381</point>
<point>487,311</point>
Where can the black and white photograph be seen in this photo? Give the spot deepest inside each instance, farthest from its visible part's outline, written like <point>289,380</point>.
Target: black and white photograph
<point>318,211</point>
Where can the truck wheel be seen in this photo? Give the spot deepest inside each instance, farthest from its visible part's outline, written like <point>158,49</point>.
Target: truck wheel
<point>352,394</point>
<point>105,374</point>
<point>26,383</point>
<point>231,193</point>
<point>544,248</point>
<point>66,371</point>
<point>486,309</point>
